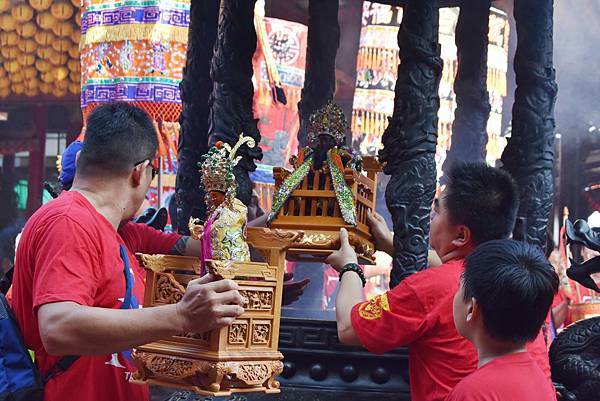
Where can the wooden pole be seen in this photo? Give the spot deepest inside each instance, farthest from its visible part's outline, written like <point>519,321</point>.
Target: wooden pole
<point>37,159</point>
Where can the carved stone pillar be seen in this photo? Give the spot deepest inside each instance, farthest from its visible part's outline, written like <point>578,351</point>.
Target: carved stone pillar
<point>469,129</point>
<point>529,155</point>
<point>319,76</point>
<point>231,100</point>
<point>196,87</point>
<point>410,138</point>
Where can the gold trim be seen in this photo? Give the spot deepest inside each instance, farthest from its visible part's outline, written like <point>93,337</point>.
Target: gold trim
<point>132,32</point>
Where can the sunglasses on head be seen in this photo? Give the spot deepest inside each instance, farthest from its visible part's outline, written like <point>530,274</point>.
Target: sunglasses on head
<point>154,168</point>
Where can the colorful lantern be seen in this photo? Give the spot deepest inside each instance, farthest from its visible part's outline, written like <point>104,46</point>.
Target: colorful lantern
<point>59,59</point>
<point>26,59</point>
<point>27,45</point>
<point>30,73</point>
<point>8,39</point>
<point>61,44</point>
<point>63,29</point>
<point>45,20</point>
<point>9,52</point>
<point>45,88</point>
<point>12,66</point>
<point>137,58</point>
<point>26,30</point>
<point>18,89</point>
<point>43,38</point>
<point>45,53</point>
<point>4,92</point>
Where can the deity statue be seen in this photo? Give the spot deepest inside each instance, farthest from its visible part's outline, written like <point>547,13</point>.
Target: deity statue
<point>327,151</point>
<point>223,234</point>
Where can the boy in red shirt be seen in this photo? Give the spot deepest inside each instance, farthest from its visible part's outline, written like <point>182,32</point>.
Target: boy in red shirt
<point>479,204</point>
<point>504,297</point>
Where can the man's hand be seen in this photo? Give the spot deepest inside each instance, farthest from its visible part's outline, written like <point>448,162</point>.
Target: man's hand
<point>344,255</point>
<point>209,304</point>
<point>384,239</point>
<point>292,290</point>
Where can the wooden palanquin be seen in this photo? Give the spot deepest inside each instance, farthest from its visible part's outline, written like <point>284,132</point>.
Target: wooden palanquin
<point>242,357</point>
<point>314,209</point>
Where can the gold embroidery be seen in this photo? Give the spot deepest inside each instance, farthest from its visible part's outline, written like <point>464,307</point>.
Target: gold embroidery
<point>374,308</point>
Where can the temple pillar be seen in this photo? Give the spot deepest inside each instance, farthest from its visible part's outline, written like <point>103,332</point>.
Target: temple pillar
<point>529,155</point>
<point>232,96</point>
<point>410,138</point>
<point>469,129</point>
<point>319,76</point>
<point>37,159</point>
<point>196,88</point>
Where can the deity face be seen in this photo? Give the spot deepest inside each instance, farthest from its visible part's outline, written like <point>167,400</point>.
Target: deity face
<point>326,141</point>
<point>215,198</point>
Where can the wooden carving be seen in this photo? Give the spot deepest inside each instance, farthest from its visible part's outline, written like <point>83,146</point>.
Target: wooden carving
<point>168,290</point>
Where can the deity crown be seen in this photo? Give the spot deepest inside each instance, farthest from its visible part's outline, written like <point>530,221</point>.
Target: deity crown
<point>217,165</point>
<point>328,120</point>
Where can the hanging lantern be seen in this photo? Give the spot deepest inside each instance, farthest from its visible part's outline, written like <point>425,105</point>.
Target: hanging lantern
<point>76,37</point>
<point>43,66</point>
<point>61,45</point>
<point>22,13</point>
<point>4,83</point>
<point>75,77</point>
<point>4,92</point>
<point>9,52</point>
<point>30,92</point>
<point>7,23</point>
<point>60,93</point>
<point>74,65</point>
<point>26,30</point>
<point>17,77</point>
<point>31,83</point>
<point>59,59</point>
<point>62,84</point>
<point>18,89</point>
<point>30,73</point>
<point>2,72</point>
<point>8,38</point>
<point>45,20</point>
<point>5,5</point>
<point>74,52</point>
<point>26,59</point>
<point>63,29</point>
<point>78,19</point>
<point>75,89</point>
<point>60,74</point>
<point>47,77</point>
<point>12,66</point>
<point>45,88</point>
<point>40,5</point>
<point>45,53</point>
<point>27,45</point>
<point>43,38</point>
<point>62,10</point>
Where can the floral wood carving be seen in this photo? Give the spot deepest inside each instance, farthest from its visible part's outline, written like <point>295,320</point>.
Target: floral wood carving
<point>257,300</point>
<point>156,263</point>
<point>170,366</point>
<point>238,333</point>
<point>261,333</point>
<point>253,374</point>
<point>168,290</point>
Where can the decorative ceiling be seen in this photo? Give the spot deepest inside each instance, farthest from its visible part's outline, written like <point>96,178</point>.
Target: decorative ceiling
<point>39,48</point>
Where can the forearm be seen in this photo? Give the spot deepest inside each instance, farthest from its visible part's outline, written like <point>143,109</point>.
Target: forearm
<point>350,293</point>
<point>83,330</point>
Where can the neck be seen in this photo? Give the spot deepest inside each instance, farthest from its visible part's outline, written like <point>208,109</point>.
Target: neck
<point>455,253</point>
<point>489,349</point>
<point>107,198</point>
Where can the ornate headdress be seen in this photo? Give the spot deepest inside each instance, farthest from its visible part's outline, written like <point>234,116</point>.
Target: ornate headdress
<point>217,165</point>
<point>329,120</point>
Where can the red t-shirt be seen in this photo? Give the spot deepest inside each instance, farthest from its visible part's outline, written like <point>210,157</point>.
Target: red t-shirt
<point>514,377</point>
<point>69,252</point>
<point>418,313</point>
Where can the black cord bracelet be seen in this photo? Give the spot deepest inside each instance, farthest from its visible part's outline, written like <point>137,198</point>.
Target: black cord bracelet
<point>353,267</point>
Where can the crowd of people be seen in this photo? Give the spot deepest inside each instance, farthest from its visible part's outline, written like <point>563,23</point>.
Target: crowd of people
<point>473,325</point>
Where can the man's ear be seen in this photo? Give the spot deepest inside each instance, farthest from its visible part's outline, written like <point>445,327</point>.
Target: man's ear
<point>472,310</point>
<point>462,236</point>
<point>137,172</point>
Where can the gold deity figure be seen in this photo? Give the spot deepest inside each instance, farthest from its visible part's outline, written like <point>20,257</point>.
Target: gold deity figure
<point>223,234</point>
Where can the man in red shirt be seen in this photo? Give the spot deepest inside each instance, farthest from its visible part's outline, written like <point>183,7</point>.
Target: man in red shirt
<point>74,289</point>
<point>478,204</point>
<point>504,297</point>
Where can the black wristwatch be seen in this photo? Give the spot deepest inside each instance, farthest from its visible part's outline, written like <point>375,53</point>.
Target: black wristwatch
<point>353,267</point>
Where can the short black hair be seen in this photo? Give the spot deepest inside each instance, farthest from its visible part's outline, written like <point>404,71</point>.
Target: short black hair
<point>514,285</point>
<point>118,135</point>
<point>483,198</point>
